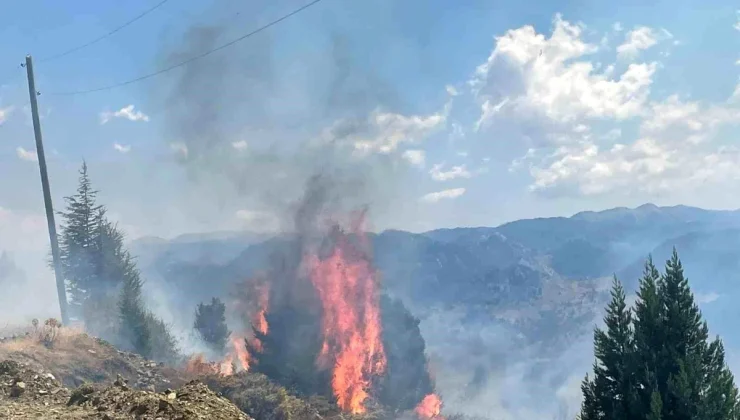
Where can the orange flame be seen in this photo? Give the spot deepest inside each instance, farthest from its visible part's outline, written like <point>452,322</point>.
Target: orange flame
<point>198,365</point>
<point>430,407</point>
<point>346,285</point>
<point>260,321</point>
<point>240,351</point>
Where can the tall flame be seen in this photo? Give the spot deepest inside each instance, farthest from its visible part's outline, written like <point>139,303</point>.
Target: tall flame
<point>346,285</point>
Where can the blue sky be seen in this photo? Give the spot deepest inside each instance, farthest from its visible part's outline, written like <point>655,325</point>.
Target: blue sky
<point>471,113</point>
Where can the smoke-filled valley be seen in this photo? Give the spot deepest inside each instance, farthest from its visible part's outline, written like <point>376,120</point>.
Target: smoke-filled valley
<point>506,312</point>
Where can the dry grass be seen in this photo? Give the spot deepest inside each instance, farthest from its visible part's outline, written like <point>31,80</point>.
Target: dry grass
<point>75,357</point>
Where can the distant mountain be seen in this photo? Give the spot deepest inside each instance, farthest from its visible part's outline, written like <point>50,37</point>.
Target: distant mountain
<point>514,302</point>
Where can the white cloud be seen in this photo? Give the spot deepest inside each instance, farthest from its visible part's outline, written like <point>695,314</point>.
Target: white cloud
<point>240,145</point>
<point>443,195</point>
<point>488,111</point>
<point>674,149</point>
<point>384,132</point>
<point>122,148</point>
<point>28,155</point>
<point>453,173</point>
<point>537,76</point>
<point>415,157</point>
<point>705,298</point>
<point>5,113</point>
<point>451,90</point>
<point>640,39</point>
<point>126,112</point>
<point>737,24</point>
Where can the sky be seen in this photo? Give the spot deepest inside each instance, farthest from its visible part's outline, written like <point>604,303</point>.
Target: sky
<point>460,113</point>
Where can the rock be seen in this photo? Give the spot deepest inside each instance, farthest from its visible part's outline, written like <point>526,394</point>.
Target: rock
<point>17,389</point>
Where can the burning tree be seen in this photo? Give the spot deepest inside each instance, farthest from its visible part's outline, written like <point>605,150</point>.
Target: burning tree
<point>330,331</point>
<point>317,324</point>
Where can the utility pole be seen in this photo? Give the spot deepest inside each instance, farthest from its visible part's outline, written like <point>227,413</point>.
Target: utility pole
<point>61,289</point>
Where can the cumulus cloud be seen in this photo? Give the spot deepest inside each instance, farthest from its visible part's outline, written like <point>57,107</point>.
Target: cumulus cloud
<point>126,112</point>
<point>438,174</point>
<point>443,195</point>
<point>122,148</point>
<point>415,157</point>
<point>637,40</point>
<point>5,113</point>
<point>534,76</point>
<point>27,155</point>
<point>673,149</point>
<point>588,129</point>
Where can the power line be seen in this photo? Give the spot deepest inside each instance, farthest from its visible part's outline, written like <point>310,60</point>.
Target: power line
<point>102,37</point>
<point>190,60</point>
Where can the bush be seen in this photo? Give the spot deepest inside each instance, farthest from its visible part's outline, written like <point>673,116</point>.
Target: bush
<point>254,394</point>
<point>163,343</point>
<point>49,332</point>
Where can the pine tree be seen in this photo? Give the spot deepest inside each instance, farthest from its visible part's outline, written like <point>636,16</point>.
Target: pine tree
<point>589,407</point>
<point>648,329</point>
<point>210,323</point>
<point>103,280</point>
<point>684,344</point>
<point>675,372</point>
<point>612,394</point>
<point>77,239</point>
<point>135,328</point>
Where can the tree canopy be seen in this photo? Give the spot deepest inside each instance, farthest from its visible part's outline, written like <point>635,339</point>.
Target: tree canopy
<point>655,361</point>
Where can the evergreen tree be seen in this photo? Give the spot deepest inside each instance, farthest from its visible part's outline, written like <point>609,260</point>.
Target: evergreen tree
<point>590,406</point>
<point>77,239</point>
<point>648,326</point>
<point>210,322</point>
<point>133,317</point>
<point>676,373</point>
<point>406,380</point>
<point>103,280</point>
<point>613,393</point>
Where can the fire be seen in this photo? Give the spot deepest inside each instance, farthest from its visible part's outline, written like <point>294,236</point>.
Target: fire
<point>260,321</point>
<point>240,351</point>
<point>226,368</point>
<point>346,285</point>
<point>198,365</point>
<point>430,407</point>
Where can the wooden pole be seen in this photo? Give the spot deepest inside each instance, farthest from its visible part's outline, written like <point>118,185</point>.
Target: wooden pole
<point>61,289</point>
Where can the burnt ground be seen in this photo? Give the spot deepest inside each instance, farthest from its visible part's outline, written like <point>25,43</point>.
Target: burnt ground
<point>29,394</point>
<point>82,377</point>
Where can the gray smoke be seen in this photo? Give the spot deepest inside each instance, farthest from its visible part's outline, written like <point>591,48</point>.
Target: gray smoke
<point>248,132</point>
